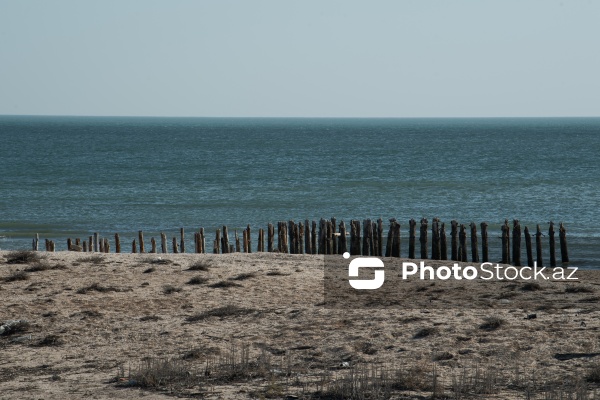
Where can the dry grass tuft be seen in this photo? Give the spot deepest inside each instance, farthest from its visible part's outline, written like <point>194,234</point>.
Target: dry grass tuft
<point>492,323</point>
<point>199,266</point>
<point>243,277</point>
<point>22,257</point>
<point>169,289</point>
<point>197,280</point>
<point>96,287</point>
<point>224,284</point>
<point>16,276</point>
<point>425,332</point>
<point>221,312</point>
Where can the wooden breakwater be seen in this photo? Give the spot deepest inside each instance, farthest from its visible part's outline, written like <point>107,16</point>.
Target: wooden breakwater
<point>328,237</point>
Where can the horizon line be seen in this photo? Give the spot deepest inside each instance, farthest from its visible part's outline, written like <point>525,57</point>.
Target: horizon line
<point>294,117</point>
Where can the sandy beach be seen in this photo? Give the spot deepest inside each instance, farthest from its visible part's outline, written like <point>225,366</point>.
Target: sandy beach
<point>237,326</point>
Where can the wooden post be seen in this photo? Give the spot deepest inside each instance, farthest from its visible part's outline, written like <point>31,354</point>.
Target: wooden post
<point>96,242</point>
<point>106,245</point>
<point>90,244</point>
<point>516,243</point>
<point>217,243</point>
<point>528,247</point>
<point>101,245</point>
<point>52,248</point>
<point>342,243</point>
<point>328,237</point>
<point>249,238</point>
<point>552,245</point>
<point>474,247</point>
<point>380,237</point>
<point>562,233</point>
<point>412,237</point>
<point>175,245</point>
<point>396,248</point>
<point>504,229</point>
<point>390,238</point>
<point>133,247</point>
<point>182,245</point>
<point>85,246</point>
<point>454,240</point>
<point>153,244</point>
<point>307,238</point>
<point>463,243</point>
<point>333,236</point>
<point>245,240</point>
<point>538,247</point>
<point>202,241</point>
<point>117,243</point>
<point>423,238</point>
<point>36,242</point>
<point>435,239</point>
<point>508,257</point>
<point>69,243</point>
<point>196,242</point>
<point>225,240</point>
<point>484,242</point>
<point>313,234</point>
<point>284,233</point>
<point>300,238</point>
<point>374,238</point>
<point>141,237</point>
<point>163,243</point>
<point>355,237</point>
<point>77,242</point>
<point>365,240</point>
<point>297,236</point>
<point>443,243</point>
<point>270,235</point>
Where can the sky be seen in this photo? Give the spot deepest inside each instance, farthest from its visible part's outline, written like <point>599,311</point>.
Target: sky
<point>283,58</point>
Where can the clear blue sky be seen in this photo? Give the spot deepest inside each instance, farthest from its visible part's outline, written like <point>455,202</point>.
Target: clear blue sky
<point>321,58</point>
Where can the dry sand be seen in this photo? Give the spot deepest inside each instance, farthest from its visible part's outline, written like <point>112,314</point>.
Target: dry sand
<point>90,343</point>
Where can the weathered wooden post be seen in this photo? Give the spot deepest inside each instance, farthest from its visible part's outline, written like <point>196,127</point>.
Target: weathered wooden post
<point>313,237</point>
<point>307,238</point>
<point>217,244</point>
<point>245,240</point>
<point>507,241</point>
<point>374,238</point>
<point>412,224</point>
<point>443,243</point>
<point>91,244</point>
<point>270,235</point>
<point>353,237</point>
<point>390,238</point>
<point>77,241</point>
<point>163,243</point>
<point>36,242</point>
<point>225,240</point>
<point>249,238</point>
<point>552,245</point>
<point>380,237</point>
<point>141,237</point>
<point>463,242</point>
<point>85,249</point>
<point>182,245</point>
<point>175,245</point>
<point>133,247</point>
<point>342,243</point>
<point>202,241</point>
<point>454,240</point>
<point>117,243</point>
<point>474,247</point>
<point>101,245</point>
<point>96,242</point>
<point>516,243</point>
<point>504,229</point>
<point>297,239</point>
<point>528,248</point>
<point>562,233</point>
<point>106,245</point>
<point>329,237</point>
<point>333,236</point>
<point>292,236</point>
<point>538,246</point>
<point>69,243</point>
<point>52,248</point>
<point>396,246</point>
<point>365,241</point>
<point>484,242</point>
<point>300,238</point>
<point>153,245</point>
<point>435,239</point>
<point>423,238</point>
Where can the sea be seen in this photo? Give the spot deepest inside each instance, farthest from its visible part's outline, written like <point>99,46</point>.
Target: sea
<point>68,177</point>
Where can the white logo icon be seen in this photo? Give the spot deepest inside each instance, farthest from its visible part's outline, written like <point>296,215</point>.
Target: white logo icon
<point>366,262</point>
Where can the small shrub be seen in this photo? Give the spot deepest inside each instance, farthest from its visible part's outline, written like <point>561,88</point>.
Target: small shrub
<point>221,312</point>
<point>150,318</point>
<point>96,287</point>
<point>243,277</point>
<point>531,287</point>
<point>225,284</point>
<point>22,257</point>
<point>95,259</point>
<point>149,270</point>
<point>16,276</point>
<point>425,332</point>
<point>199,266</point>
<point>169,289</point>
<point>492,323</point>
<point>160,373</point>
<point>276,273</point>
<point>50,340</point>
<point>578,289</point>
<point>197,280</point>
<point>42,265</point>
<point>442,356</point>
<point>593,374</point>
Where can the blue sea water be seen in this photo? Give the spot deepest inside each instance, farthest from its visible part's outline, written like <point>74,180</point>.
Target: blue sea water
<point>72,176</point>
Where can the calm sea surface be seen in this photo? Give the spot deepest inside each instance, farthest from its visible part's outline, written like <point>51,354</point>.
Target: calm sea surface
<point>72,176</point>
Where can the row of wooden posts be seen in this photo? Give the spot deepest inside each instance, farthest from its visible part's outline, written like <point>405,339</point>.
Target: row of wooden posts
<point>330,238</point>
